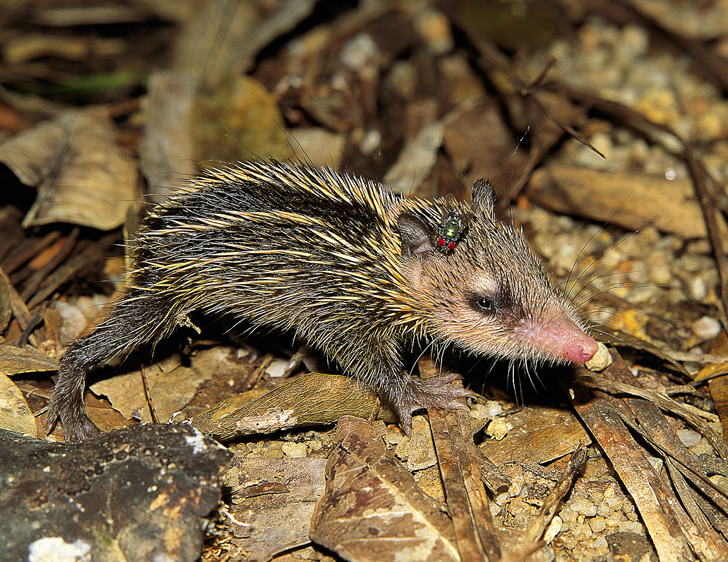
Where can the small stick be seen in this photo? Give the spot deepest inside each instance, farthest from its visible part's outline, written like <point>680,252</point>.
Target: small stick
<point>148,396</point>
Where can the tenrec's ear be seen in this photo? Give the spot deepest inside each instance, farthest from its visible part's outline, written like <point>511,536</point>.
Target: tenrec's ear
<point>416,237</point>
<point>484,198</point>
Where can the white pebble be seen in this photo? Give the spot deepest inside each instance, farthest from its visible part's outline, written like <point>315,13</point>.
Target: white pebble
<point>584,507</point>
<point>598,524</point>
<point>601,360</point>
<point>359,52</point>
<point>698,289</point>
<point>706,328</point>
<point>277,368</point>
<point>689,437</point>
<point>660,273</point>
<point>632,527</point>
<point>553,529</point>
<point>73,320</point>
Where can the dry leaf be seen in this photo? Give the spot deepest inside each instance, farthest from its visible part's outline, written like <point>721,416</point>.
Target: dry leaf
<point>166,147</point>
<point>630,200</point>
<point>673,512</point>
<point>217,43</point>
<point>372,508</point>
<point>481,145</point>
<point>274,500</point>
<point>171,385</point>
<point>15,414</point>
<point>311,399</point>
<point>83,176</point>
<point>317,146</point>
<point>6,300</point>
<point>467,502</point>
<point>239,120</point>
<point>224,37</point>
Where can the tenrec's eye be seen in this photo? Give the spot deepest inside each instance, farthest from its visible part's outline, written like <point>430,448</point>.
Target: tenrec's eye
<point>484,303</point>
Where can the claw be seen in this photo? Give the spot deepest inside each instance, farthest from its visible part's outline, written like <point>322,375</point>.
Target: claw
<point>80,430</point>
<point>77,426</point>
<point>435,392</point>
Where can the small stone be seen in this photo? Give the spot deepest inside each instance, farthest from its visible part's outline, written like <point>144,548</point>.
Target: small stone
<point>635,42</point>
<point>277,368</point>
<point>370,142</point>
<point>568,515</point>
<point>360,53</point>
<point>497,429</point>
<point>597,524</point>
<point>434,27</point>
<point>660,273</point>
<point>601,360</point>
<point>656,463</point>
<point>604,510</point>
<point>614,502</point>
<point>603,143</point>
<point>706,328</point>
<point>584,507</point>
<point>274,450</point>
<point>720,481</point>
<point>92,306</point>
<point>500,499</point>
<point>553,529</point>
<point>601,545</point>
<point>697,288</point>
<point>294,450</point>
<point>402,79</point>
<point>632,527</point>
<point>487,411</point>
<point>73,320</point>
<point>689,437</point>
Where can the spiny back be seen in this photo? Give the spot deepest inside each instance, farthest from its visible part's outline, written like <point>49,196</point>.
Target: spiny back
<point>259,227</point>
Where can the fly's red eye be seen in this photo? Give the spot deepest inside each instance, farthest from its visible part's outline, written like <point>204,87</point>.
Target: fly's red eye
<point>451,230</point>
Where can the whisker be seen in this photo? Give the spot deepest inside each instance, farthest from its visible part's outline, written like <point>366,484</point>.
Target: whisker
<point>567,290</point>
<point>596,259</point>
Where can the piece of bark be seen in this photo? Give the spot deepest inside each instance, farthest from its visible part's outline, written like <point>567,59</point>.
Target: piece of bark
<point>416,160</point>
<point>165,151</point>
<point>674,534</point>
<point>140,492</point>
<point>466,498</point>
<point>638,476</point>
<point>17,360</point>
<point>15,414</point>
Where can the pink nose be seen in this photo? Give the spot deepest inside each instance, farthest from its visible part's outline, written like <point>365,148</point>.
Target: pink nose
<point>560,338</point>
<point>581,349</point>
